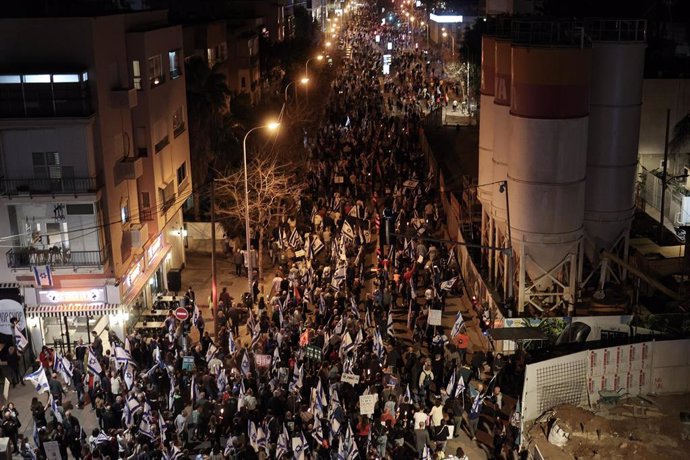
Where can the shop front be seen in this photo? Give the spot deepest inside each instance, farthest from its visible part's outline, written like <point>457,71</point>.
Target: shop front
<point>61,317</point>
<point>147,276</point>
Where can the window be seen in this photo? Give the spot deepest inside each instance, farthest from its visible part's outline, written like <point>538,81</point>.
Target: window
<point>167,196</point>
<point>160,130</point>
<point>145,207</point>
<point>80,209</point>
<point>174,62</point>
<point>136,75</point>
<point>124,211</point>
<point>155,71</point>
<point>222,51</point>
<point>211,56</point>
<point>181,174</point>
<point>47,165</point>
<point>243,82</point>
<point>178,122</point>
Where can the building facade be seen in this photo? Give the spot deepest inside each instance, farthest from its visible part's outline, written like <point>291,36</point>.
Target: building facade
<point>94,160</point>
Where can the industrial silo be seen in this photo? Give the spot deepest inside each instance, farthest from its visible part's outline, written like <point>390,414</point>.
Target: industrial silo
<point>547,165</point>
<point>486,125</point>
<point>501,115</point>
<point>614,128</point>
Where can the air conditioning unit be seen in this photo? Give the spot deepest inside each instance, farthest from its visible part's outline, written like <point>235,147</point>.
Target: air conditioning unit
<point>123,98</point>
<point>129,168</point>
<point>139,234</point>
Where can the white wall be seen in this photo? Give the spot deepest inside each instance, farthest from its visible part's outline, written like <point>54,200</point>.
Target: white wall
<point>638,369</point>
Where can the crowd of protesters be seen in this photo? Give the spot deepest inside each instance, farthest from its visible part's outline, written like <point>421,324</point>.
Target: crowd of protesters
<point>322,370</point>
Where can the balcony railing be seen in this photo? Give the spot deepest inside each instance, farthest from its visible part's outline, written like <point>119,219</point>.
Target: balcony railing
<point>146,214</point>
<point>56,257</point>
<point>49,186</point>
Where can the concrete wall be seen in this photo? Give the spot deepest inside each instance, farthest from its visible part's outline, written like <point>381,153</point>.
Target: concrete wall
<point>638,369</point>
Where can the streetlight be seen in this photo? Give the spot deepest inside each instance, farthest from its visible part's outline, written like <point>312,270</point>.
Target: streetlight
<point>303,80</point>
<point>306,70</point>
<point>271,126</point>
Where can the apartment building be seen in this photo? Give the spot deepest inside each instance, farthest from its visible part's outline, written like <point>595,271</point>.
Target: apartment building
<point>244,69</point>
<point>94,167</point>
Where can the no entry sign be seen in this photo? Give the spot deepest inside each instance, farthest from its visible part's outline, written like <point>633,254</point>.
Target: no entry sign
<point>181,313</point>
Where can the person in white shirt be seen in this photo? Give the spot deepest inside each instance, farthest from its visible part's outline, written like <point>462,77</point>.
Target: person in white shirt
<point>419,417</point>
<point>115,385</point>
<point>181,423</point>
<point>436,414</point>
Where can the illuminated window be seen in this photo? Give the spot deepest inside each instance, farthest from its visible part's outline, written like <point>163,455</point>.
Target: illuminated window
<point>156,76</point>
<point>136,75</point>
<point>174,62</point>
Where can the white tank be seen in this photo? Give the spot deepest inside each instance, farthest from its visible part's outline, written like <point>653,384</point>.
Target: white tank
<point>501,114</point>
<point>614,129</point>
<point>547,163</point>
<point>486,123</point>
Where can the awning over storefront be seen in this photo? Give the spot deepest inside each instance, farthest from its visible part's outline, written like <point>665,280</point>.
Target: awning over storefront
<point>98,309</point>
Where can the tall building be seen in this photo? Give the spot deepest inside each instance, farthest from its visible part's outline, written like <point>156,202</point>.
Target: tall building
<point>94,167</point>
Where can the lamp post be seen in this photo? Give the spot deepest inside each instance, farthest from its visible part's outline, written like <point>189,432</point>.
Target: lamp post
<point>303,80</point>
<point>452,49</point>
<point>306,71</point>
<point>271,126</point>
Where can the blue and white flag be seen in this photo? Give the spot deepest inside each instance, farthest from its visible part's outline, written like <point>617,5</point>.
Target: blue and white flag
<point>102,438</point>
<point>196,315</point>
<point>390,330</point>
<point>232,346</point>
<point>129,373</point>
<point>211,352</point>
<point>39,380</point>
<point>448,285</point>
<point>339,276</point>
<point>37,438</point>
<point>346,345</point>
<point>408,395</point>
<point>378,348</point>
<point>162,427</point>
<point>66,370</point>
<point>283,445</point>
<point>174,453</point>
<point>245,365</point>
<point>476,405</point>
<point>93,364</point>
<point>299,447</point>
<point>317,433</point>
<point>426,455</point>
<point>145,428</point>
<point>256,337</point>
<point>261,440</point>
<point>354,308</point>
<point>20,340</point>
<point>251,433</point>
<point>43,275</point>
<point>221,380</point>
<point>459,323</point>
<point>122,356</point>
<point>56,411</point>
<point>461,388</point>
<point>131,407</point>
<point>229,447</point>
<point>451,384</point>
<point>296,239</point>
<point>316,246</point>
<point>194,392</point>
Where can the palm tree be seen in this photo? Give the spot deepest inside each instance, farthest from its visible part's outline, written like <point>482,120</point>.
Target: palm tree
<point>207,103</point>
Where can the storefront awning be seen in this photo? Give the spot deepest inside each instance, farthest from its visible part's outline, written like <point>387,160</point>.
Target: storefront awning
<point>97,309</point>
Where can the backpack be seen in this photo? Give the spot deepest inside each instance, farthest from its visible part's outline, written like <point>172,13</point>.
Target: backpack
<point>427,379</point>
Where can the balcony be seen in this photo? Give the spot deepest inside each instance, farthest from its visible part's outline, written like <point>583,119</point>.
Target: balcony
<point>146,214</point>
<point>45,95</point>
<point>49,186</point>
<point>55,257</point>
<point>128,168</point>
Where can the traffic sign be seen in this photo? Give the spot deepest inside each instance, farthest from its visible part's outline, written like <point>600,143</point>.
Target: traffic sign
<point>181,313</point>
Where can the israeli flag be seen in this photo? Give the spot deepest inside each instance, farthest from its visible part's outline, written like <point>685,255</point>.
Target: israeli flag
<point>232,346</point>
<point>56,411</point>
<point>457,326</point>
<point>390,330</point>
<point>408,395</point>
<point>221,380</point>
<point>353,307</point>
<point>296,239</point>
<point>346,345</point>
<point>299,447</point>
<point>378,348</point>
<point>317,434</point>
<point>39,380</point>
<point>211,352</point>
<point>461,387</point>
<point>122,356</point>
<point>173,453</point>
<point>93,364</point>
<point>43,275</point>
<point>145,428</point>
<point>316,246</point>
<point>230,448</point>
<point>448,285</point>
<point>347,231</point>
<point>245,366</point>
<point>426,455</point>
<point>66,370</point>
<point>196,315</point>
<point>476,404</point>
<point>283,443</point>
<point>129,374</point>
<point>194,393</point>
<point>20,340</point>
<point>130,408</point>
<point>102,438</point>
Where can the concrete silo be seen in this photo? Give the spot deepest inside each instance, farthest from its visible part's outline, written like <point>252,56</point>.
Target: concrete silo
<point>614,128</point>
<point>502,151</point>
<point>547,169</point>
<point>486,141</point>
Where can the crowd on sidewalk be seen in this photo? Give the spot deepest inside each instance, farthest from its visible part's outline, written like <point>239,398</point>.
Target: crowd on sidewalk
<point>322,371</point>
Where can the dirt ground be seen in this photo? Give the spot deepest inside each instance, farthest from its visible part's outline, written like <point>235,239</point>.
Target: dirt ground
<point>644,428</point>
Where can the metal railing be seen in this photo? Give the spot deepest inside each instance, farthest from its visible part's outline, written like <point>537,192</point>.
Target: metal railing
<point>56,257</point>
<point>49,186</point>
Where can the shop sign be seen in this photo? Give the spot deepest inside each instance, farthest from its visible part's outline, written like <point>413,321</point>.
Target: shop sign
<point>132,275</point>
<point>153,249</point>
<point>11,309</point>
<point>58,296</point>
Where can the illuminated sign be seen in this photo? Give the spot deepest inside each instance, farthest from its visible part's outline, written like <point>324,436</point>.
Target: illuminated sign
<point>450,19</point>
<point>133,274</point>
<point>72,296</point>
<point>153,249</point>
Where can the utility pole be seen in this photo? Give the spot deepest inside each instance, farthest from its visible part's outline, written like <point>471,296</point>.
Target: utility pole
<point>660,234</point>
<point>214,285</point>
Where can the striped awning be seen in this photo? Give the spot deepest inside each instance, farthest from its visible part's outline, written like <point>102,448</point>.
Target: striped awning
<point>96,309</point>
<point>9,285</point>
